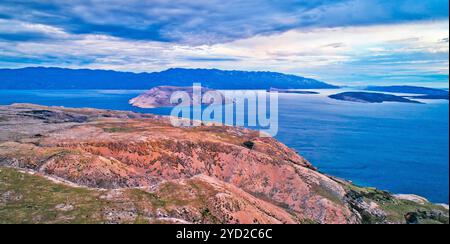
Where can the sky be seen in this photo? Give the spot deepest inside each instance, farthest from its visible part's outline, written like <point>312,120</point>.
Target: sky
<point>344,42</point>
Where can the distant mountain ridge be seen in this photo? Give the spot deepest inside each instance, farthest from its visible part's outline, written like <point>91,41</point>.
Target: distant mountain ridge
<point>60,78</point>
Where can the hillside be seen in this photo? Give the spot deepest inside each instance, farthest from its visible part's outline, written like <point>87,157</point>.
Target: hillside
<point>57,78</point>
<point>95,166</point>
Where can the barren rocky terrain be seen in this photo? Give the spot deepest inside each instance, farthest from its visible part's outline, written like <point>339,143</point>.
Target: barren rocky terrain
<point>60,165</point>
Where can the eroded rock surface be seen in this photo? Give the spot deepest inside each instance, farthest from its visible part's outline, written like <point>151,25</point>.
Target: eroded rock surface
<point>200,175</point>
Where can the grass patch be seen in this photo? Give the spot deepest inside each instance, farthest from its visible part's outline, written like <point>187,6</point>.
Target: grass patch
<point>174,194</point>
<point>26,198</point>
<point>31,199</point>
<point>141,196</point>
<point>427,213</point>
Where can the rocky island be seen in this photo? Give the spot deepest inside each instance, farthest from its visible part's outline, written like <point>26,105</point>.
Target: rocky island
<point>160,96</point>
<point>60,165</point>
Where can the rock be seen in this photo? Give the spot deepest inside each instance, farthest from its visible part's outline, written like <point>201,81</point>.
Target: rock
<point>249,144</point>
<point>368,211</point>
<point>64,207</point>
<point>55,116</point>
<point>412,218</point>
<point>423,216</point>
<point>10,196</point>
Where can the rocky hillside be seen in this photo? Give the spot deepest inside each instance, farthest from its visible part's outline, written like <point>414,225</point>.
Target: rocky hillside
<point>160,97</point>
<point>62,165</point>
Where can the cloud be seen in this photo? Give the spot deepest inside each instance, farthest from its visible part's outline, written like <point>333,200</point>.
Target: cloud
<point>211,59</point>
<point>340,41</point>
<point>339,54</point>
<point>213,21</point>
<point>14,30</point>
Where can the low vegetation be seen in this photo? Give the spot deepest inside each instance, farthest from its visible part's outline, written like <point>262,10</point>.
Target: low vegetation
<point>397,210</point>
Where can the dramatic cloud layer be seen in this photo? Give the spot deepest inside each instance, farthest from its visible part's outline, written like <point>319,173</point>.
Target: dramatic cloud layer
<point>336,40</point>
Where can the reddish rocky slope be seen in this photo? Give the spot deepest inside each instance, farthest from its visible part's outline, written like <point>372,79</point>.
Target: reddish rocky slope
<point>211,171</point>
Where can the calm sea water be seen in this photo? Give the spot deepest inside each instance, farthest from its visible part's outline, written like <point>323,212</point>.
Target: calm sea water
<point>398,147</point>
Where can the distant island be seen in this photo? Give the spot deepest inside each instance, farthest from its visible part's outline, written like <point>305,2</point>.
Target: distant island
<point>290,91</point>
<point>430,97</point>
<point>160,96</point>
<point>369,97</point>
<point>58,78</point>
<point>422,92</point>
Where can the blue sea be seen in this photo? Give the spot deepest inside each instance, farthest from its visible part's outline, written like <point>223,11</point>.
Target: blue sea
<point>403,148</point>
